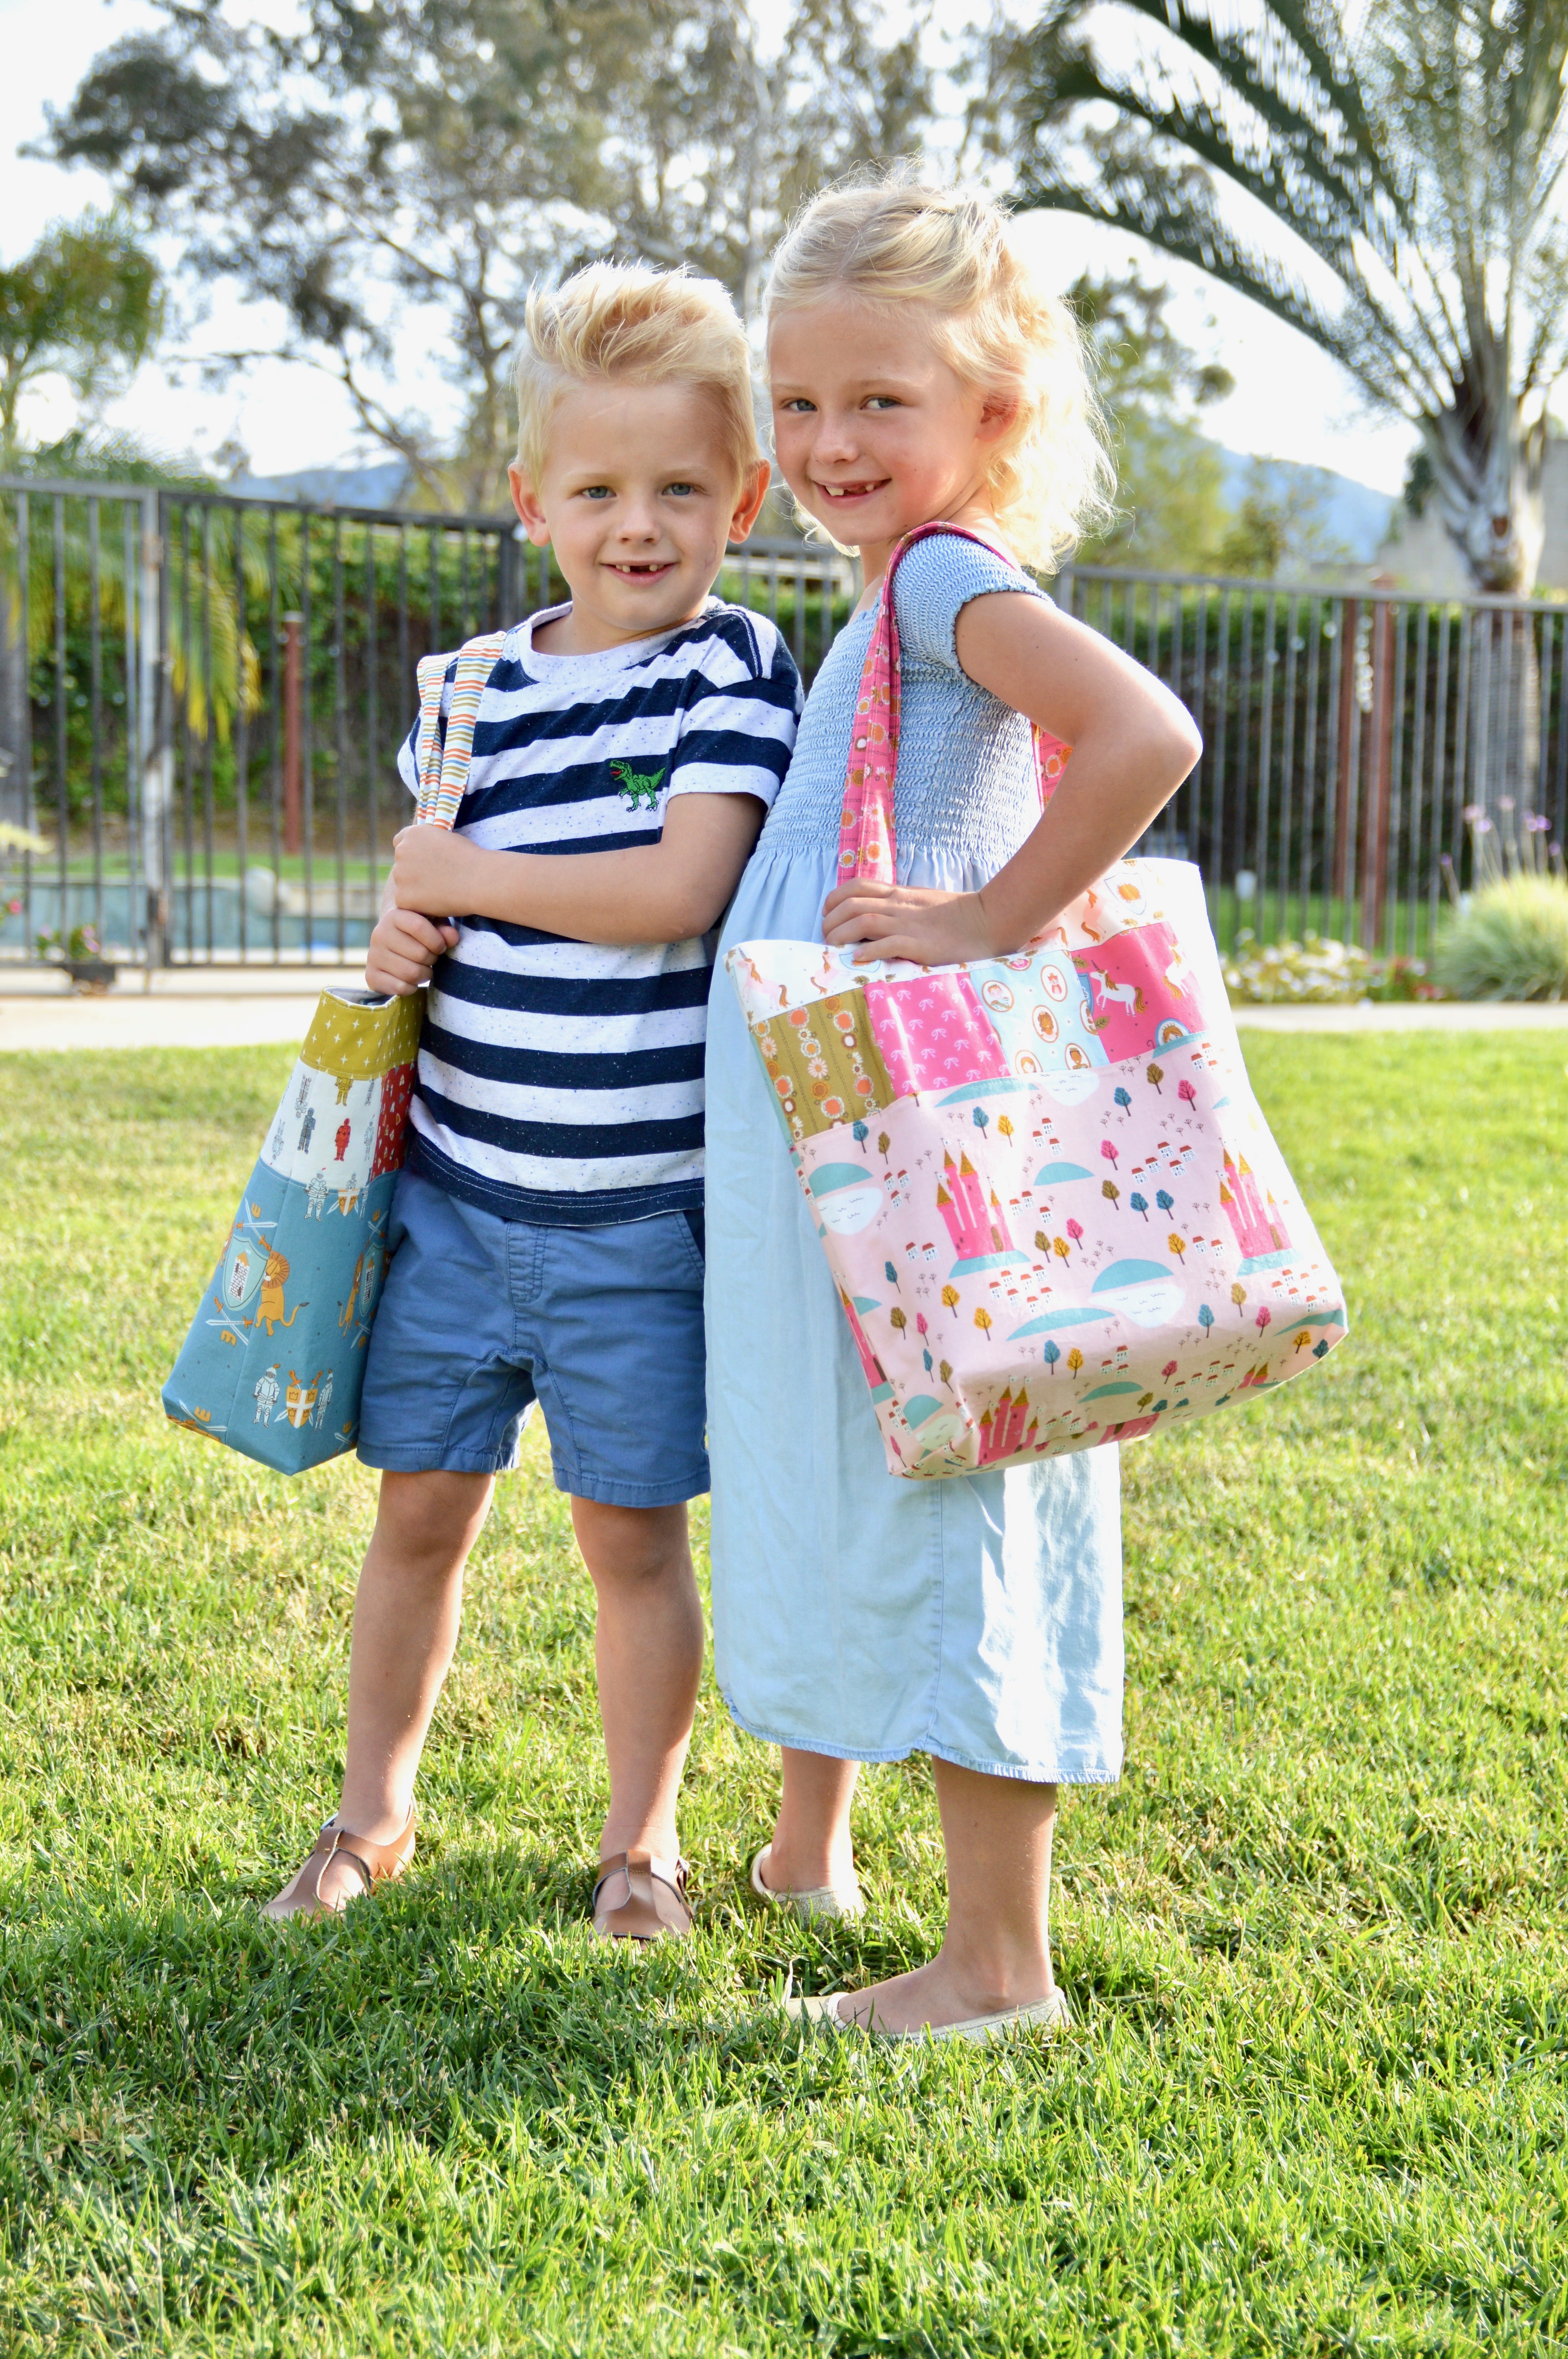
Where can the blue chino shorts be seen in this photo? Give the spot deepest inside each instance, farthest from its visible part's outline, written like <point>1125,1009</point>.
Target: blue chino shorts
<point>481,1318</point>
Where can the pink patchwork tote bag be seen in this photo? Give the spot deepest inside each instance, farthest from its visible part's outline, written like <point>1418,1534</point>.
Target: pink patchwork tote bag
<point>1050,1202</point>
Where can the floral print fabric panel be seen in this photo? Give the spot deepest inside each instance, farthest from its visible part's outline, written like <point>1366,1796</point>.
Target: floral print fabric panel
<point>824,1064</point>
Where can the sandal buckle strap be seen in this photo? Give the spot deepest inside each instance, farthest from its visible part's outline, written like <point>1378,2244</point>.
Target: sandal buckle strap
<point>659,1883</point>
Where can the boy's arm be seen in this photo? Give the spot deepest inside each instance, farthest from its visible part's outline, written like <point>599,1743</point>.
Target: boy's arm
<point>663,892</point>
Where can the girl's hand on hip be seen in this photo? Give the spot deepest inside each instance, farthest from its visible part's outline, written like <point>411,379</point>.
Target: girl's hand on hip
<point>908,921</point>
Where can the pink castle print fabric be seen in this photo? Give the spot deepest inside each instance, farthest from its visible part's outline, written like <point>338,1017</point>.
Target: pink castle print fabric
<point>1051,1203</point>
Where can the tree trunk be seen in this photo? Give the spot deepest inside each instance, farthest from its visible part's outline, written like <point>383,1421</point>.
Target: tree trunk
<point>1488,471</point>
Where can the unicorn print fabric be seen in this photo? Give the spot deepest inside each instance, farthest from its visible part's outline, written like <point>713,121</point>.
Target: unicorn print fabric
<point>1052,1207</point>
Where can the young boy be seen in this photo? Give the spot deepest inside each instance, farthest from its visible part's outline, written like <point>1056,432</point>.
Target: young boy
<point>546,1231</point>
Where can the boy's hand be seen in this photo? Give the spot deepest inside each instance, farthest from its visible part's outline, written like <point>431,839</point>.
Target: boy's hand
<point>434,872</point>
<point>403,950</point>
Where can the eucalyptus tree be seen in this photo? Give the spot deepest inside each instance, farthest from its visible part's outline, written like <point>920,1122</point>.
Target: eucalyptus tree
<point>84,304</point>
<point>391,177</point>
<point>1412,152</point>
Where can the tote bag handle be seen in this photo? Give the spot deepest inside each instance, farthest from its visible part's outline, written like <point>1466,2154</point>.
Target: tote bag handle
<point>868,843</point>
<point>444,766</point>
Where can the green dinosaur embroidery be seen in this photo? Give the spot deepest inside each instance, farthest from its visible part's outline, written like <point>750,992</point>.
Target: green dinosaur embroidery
<point>638,786</point>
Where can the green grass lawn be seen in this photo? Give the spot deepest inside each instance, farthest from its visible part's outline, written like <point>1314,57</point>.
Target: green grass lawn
<point>1316,2100</point>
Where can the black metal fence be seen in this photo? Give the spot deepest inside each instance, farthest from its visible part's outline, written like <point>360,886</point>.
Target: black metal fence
<point>1345,736</point>
<point>202,698</point>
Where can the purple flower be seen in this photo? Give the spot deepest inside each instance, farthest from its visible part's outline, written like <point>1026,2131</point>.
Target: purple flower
<point>1472,811</point>
<point>1505,802</point>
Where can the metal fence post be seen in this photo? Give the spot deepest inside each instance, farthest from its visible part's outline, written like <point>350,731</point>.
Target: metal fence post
<point>1375,866</point>
<point>293,766</point>
<point>152,716</point>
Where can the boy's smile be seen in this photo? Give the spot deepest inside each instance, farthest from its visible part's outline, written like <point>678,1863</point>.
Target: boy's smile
<point>639,496</point>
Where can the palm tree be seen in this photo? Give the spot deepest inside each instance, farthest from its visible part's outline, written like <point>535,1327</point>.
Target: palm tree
<point>1414,147</point>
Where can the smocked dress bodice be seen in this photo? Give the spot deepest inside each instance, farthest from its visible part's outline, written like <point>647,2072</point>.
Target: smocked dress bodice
<point>966,791</point>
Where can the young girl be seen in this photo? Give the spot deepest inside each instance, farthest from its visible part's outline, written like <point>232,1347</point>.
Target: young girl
<point>920,373</point>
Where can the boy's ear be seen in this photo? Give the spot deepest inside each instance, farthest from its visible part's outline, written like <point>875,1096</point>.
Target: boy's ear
<point>749,506</point>
<point>525,500</point>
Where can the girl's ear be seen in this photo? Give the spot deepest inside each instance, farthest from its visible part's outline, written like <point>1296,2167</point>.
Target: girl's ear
<point>999,415</point>
<point>525,500</point>
<point>749,506</point>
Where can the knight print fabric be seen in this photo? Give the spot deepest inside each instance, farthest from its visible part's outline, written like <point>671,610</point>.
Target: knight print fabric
<point>274,1360</point>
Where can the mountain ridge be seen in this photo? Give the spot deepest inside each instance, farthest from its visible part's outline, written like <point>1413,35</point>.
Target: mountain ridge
<point>1349,512</point>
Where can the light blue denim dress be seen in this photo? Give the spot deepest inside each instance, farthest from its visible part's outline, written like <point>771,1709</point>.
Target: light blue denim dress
<point>856,1613</point>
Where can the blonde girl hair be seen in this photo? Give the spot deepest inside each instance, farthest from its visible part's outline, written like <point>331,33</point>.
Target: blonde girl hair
<point>957,254</point>
<point>621,321</point>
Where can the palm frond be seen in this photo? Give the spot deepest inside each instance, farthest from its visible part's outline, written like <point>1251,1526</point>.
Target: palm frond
<point>1421,163</point>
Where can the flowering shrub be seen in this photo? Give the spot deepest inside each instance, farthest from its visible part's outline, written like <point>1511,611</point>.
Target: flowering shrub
<point>1274,974</point>
<point>82,942</point>
<point>1319,971</point>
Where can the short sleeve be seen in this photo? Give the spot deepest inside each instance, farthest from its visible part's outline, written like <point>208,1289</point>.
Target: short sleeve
<point>408,752</point>
<point>407,758</point>
<point>740,717</point>
<point>934,584</point>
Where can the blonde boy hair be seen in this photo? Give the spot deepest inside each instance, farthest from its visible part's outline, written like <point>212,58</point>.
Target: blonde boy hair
<point>620,320</point>
<point>957,254</point>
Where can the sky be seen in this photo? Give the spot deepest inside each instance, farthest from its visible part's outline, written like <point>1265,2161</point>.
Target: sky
<point>1291,401</point>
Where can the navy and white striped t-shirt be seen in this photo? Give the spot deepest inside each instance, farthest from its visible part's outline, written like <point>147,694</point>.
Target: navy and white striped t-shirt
<point>561,1081</point>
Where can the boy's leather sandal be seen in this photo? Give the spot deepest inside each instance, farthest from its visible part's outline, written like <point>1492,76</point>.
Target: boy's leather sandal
<point>373,1864</point>
<point>1048,2015</point>
<point>838,1900</point>
<point>633,1885</point>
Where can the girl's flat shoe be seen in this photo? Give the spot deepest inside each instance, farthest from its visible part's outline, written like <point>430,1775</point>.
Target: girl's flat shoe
<point>641,1898</point>
<point>823,1900</point>
<point>1045,2015</point>
<point>373,1864</point>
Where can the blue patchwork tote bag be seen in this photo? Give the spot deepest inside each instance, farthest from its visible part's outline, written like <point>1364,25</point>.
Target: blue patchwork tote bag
<point>274,1363</point>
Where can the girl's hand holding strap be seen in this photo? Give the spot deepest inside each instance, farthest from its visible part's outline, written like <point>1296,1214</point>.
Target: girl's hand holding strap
<point>1133,743</point>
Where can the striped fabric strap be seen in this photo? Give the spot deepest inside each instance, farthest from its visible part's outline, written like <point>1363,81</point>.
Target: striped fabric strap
<point>444,770</point>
